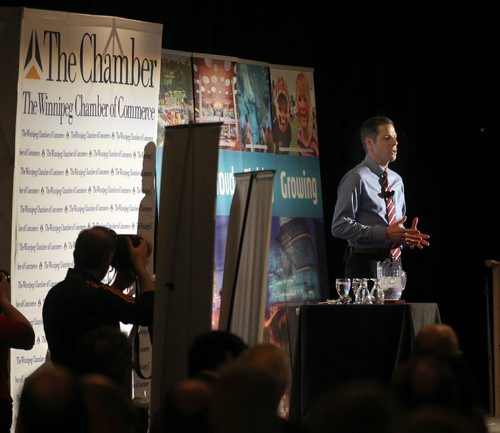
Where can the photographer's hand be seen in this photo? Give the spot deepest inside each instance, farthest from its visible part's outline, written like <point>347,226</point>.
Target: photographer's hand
<point>138,257</point>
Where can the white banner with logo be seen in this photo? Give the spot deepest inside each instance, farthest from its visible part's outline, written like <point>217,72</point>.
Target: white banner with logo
<point>84,153</point>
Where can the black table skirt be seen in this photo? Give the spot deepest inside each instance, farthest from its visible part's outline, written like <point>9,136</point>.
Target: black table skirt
<point>334,344</point>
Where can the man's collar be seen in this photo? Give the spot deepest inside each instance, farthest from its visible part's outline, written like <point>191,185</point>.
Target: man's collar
<point>374,166</point>
<point>80,273</point>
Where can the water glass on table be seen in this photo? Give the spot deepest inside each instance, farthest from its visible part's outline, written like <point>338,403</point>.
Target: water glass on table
<point>363,295</point>
<point>355,283</point>
<point>343,286</point>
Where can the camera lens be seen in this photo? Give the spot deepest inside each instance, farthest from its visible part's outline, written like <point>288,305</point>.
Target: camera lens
<point>121,258</point>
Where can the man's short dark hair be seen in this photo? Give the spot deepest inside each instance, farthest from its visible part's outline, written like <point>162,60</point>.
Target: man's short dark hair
<point>93,247</point>
<point>107,351</point>
<point>369,128</point>
<point>209,350</point>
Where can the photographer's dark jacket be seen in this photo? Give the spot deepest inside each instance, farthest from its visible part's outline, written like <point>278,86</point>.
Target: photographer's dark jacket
<point>79,304</point>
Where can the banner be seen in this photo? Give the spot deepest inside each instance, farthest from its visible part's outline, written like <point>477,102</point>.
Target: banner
<point>87,112</point>
<point>269,123</point>
<point>183,299</point>
<point>243,297</point>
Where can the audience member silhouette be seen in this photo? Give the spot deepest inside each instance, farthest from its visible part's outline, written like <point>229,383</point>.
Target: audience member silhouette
<point>106,351</point>
<point>354,407</point>
<point>271,358</point>
<point>437,340</point>
<point>440,342</point>
<point>433,420</point>
<point>109,410</point>
<point>210,351</point>
<point>248,394</point>
<point>52,402</point>
<point>245,400</point>
<point>276,361</point>
<point>186,409</point>
<point>430,382</point>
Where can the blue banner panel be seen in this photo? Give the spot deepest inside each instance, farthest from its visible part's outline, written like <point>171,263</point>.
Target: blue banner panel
<point>297,188</point>
<point>229,163</point>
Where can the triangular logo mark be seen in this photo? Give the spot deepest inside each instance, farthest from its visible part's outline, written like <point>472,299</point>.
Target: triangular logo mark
<point>33,57</point>
<point>33,74</point>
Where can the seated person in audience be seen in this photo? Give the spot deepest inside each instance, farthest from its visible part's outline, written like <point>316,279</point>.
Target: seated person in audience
<point>52,402</point>
<point>354,407</point>
<point>186,408</point>
<point>106,352</point>
<point>439,342</point>
<point>271,358</point>
<point>15,332</point>
<point>246,399</point>
<point>428,381</point>
<point>210,351</point>
<point>433,420</point>
<point>109,411</point>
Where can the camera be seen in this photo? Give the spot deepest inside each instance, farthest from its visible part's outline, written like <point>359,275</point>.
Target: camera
<point>121,258</point>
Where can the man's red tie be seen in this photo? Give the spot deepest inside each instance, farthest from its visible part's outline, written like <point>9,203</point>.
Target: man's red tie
<point>391,212</point>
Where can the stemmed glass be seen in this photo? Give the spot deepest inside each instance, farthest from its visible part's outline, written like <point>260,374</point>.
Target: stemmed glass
<point>363,292</point>
<point>372,283</point>
<point>343,286</point>
<point>377,293</point>
<point>356,282</point>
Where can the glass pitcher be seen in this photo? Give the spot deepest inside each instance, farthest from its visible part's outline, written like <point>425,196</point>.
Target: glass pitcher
<point>391,278</point>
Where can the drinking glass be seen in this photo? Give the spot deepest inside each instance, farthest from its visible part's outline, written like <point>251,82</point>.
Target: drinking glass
<point>363,292</point>
<point>356,282</point>
<point>377,294</point>
<point>343,286</point>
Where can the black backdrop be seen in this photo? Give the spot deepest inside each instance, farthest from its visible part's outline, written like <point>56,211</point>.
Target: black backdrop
<point>428,66</point>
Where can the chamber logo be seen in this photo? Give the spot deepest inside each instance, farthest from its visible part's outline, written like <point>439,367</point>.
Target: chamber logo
<point>95,59</point>
<point>33,62</point>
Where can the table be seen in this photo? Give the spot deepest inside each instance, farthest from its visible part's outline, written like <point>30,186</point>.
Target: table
<point>334,344</point>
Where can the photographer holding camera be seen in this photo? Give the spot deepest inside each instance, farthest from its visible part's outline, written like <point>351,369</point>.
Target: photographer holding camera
<point>81,303</point>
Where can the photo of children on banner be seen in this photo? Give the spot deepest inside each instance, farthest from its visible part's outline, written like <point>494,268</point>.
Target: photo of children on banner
<point>307,140</point>
<point>282,130</point>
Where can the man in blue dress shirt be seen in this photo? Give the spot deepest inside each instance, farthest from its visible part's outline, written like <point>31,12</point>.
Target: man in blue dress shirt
<point>362,208</point>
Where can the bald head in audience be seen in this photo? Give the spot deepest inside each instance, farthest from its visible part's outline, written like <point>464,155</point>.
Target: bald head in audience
<point>109,410</point>
<point>51,401</point>
<point>271,358</point>
<point>186,408</point>
<point>437,340</point>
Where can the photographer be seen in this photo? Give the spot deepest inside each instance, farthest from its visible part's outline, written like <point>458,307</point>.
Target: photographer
<point>15,332</point>
<point>81,303</point>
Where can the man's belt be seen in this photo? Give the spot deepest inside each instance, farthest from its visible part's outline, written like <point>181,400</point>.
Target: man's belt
<point>371,251</point>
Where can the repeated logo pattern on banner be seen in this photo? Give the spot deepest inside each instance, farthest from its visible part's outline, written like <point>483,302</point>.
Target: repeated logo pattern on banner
<point>269,122</point>
<point>85,132</point>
